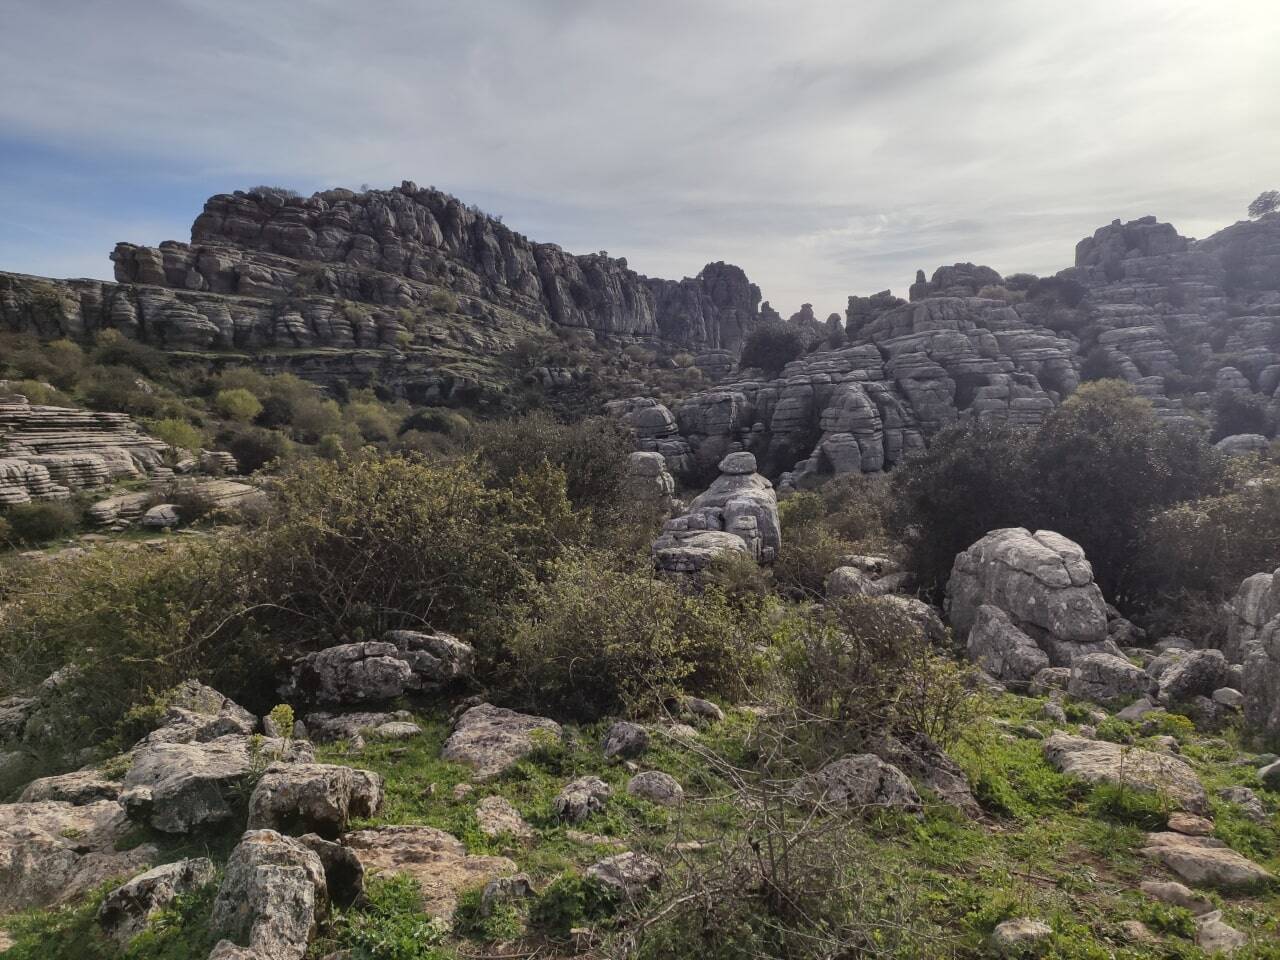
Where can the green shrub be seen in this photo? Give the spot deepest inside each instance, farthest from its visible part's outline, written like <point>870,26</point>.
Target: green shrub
<point>113,349</point>
<point>1120,802</point>
<point>770,346</point>
<point>178,433</point>
<point>41,521</point>
<point>389,924</point>
<point>442,301</point>
<point>570,901</point>
<point>238,404</point>
<point>254,447</point>
<point>810,551</point>
<point>595,640</point>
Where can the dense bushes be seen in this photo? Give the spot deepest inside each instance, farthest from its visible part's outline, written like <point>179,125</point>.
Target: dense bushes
<point>1097,469</point>
<point>595,640</point>
<point>770,346</point>
<point>35,523</point>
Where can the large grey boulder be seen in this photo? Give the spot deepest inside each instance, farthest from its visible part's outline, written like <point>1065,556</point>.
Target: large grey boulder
<point>656,787</point>
<point>1002,650</point>
<point>78,787</point>
<point>195,713</point>
<point>1197,673</point>
<point>1204,861</point>
<point>436,860</point>
<point>53,852</point>
<point>625,740</point>
<point>491,739</point>
<point>1110,681</point>
<point>181,787</point>
<point>928,764</point>
<point>1100,761</point>
<point>272,896</point>
<point>1253,606</point>
<point>862,783</point>
<point>1242,444</point>
<point>1044,584</point>
<point>127,909</point>
<point>313,798</point>
<point>627,874</point>
<point>403,662</point>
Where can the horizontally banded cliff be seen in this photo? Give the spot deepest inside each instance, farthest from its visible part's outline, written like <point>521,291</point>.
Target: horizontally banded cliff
<point>407,283</point>
<point>1185,321</point>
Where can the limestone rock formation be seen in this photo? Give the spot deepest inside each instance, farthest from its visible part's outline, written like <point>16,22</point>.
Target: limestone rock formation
<point>490,739</point>
<point>1100,761</point>
<point>404,661</point>
<point>1044,585</point>
<point>739,506</point>
<point>1106,679</point>
<point>862,783</point>
<point>313,797</point>
<point>126,910</point>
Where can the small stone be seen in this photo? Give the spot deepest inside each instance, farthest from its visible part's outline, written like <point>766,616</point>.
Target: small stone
<point>397,730</point>
<point>1229,697</point>
<point>1204,861</point>
<point>1053,712</point>
<point>702,709</point>
<point>580,798</point>
<point>1215,937</point>
<point>1250,803</point>
<point>1190,825</point>
<point>1172,892</point>
<point>462,791</point>
<point>625,740</point>
<point>1135,931</point>
<point>503,890</point>
<point>627,873</point>
<point>656,787</point>
<point>1270,776</point>
<point>1020,938</point>
<point>497,816</point>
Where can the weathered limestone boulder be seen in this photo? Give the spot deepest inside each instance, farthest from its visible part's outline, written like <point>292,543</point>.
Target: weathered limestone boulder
<point>181,787</point>
<point>195,713</point>
<point>1242,444</point>
<point>1253,636</point>
<point>849,582</point>
<point>862,783</point>
<point>343,872</point>
<point>1198,673</point>
<point>273,894</point>
<point>924,761</point>
<point>403,662</point>
<point>1099,761</point>
<point>740,505</point>
<point>490,739</point>
<point>648,480</point>
<point>160,517</point>
<point>1249,803</point>
<point>1204,861</point>
<point>625,740</point>
<point>53,852</point>
<point>1110,681</point>
<point>580,798</point>
<point>78,788</point>
<point>1002,650</point>
<point>436,860</point>
<point>1255,604</point>
<point>1045,585</point>
<point>627,874</point>
<point>497,816</point>
<point>1021,937</point>
<point>127,909</point>
<point>323,726</point>
<point>656,787</point>
<point>313,798</point>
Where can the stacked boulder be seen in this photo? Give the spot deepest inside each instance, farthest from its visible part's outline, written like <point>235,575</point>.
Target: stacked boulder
<point>737,514</point>
<point>1025,602</point>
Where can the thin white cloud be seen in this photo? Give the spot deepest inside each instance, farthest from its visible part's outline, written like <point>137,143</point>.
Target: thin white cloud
<point>829,148</point>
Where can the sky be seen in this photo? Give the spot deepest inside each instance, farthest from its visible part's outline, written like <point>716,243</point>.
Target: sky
<point>828,147</point>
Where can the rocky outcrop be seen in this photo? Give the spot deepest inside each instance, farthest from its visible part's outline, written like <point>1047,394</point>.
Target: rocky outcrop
<point>1099,761</point>
<point>403,662</point>
<point>491,739</point>
<point>1044,585</point>
<point>1253,637</point>
<point>738,513</point>
<point>313,797</point>
<point>862,783</point>
<point>126,910</point>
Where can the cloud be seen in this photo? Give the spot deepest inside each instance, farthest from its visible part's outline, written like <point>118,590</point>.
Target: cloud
<point>829,148</point>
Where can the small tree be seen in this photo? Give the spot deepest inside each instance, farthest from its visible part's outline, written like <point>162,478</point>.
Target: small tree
<point>238,404</point>
<point>771,346</point>
<point>1268,201</point>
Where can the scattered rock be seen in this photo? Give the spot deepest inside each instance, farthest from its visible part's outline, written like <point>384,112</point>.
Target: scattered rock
<point>180,787</point>
<point>1204,861</point>
<point>656,787</point>
<point>436,860</point>
<point>1250,803</point>
<point>1215,937</point>
<point>625,741</point>
<point>580,798</point>
<point>1135,931</point>
<point>396,730</point>
<point>490,739</point>
<point>1170,891</point>
<point>1190,825</point>
<point>862,783</point>
<point>1053,712</point>
<point>78,787</point>
<point>1099,761</point>
<point>1022,937</point>
<point>628,874</point>
<point>504,890</point>
<point>313,798</point>
<point>1270,776</point>
<point>1136,710</point>
<point>126,910</point>
<point>1195,673</point>
<point>1049,679</point>
<point>272,894</point>
<point>1106,679</point>
<point>923,760</point>
<point>497,816</point>
<point>53,852</point>
<point>700,709</point>
<point>849,582</point>
<point>1229,697</point>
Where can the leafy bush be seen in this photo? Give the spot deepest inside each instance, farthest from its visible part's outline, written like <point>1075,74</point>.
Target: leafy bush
<point>389,924</point>
<point>1241,413</point>
<point>112,348</point>
<point>254,447</point>
<point>593,455</point>
<point>770,346</point>
<point>570,901</point>
<point>1117,801</point>
<point>442,301</point>
<point>810,551</point>
<point>238,404</point>
<point>178,433</point>
<point>41,521</point>
<point>594,640</point>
